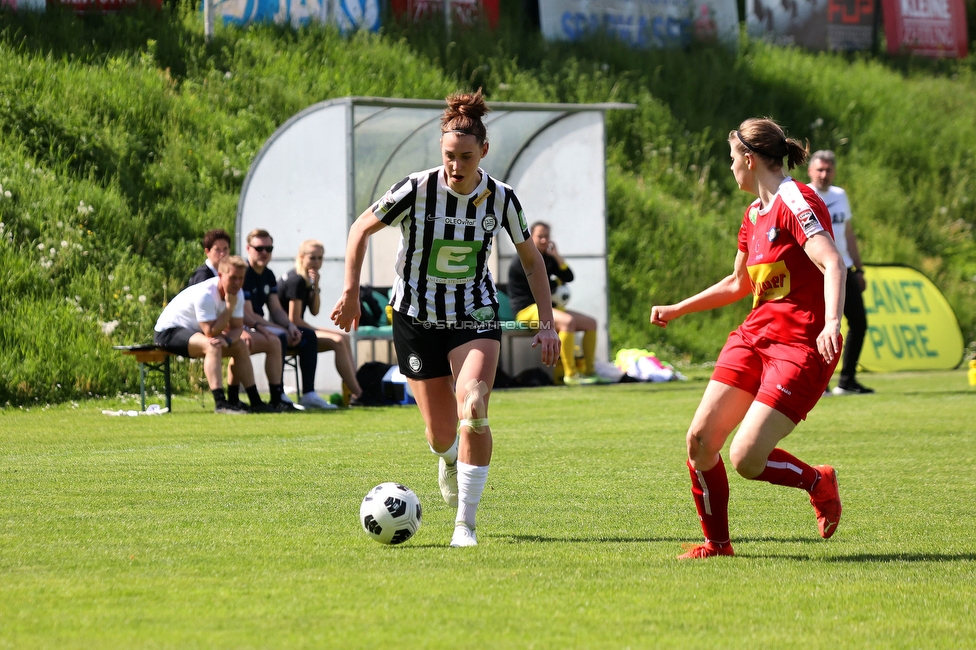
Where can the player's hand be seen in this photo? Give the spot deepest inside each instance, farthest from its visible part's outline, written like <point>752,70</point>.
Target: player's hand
<point>313,277</point>
<point>661,315</point>
<point>231,301</point>
<point>548,342</point>
<point>861,282</point>
<point>347,311</point>
<point>829,341</point>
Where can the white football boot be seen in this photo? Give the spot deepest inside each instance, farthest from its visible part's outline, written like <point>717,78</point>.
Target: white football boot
<point>463,536</point>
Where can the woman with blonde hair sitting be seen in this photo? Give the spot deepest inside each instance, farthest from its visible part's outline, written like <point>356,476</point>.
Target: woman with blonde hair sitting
<point>298,290</point>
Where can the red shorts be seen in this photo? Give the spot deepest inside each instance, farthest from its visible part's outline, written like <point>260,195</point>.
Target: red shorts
<point>788,378</point>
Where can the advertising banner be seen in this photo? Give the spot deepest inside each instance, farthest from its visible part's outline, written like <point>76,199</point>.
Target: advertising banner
<point>789,22</point>
<point>935,28</point>
<point>851,24</point>
<point>464,12</point>
<point>349,15</point>
<point>642,23</point>
<point>910,324</point>
<point>31,5</point>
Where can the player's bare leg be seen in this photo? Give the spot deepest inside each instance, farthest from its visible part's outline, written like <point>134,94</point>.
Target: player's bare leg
<point>474,367</point>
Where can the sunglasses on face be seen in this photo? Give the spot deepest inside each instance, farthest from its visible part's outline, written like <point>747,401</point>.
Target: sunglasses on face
<point>263,249</point>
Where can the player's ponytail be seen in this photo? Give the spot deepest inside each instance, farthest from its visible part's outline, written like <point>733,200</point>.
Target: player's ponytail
<point>463,115</point>
<point>766,139</point>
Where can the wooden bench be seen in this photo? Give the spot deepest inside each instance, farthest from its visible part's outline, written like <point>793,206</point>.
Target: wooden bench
<point>151,358</point>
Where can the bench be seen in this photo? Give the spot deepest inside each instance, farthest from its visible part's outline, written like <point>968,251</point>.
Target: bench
<point>373,333</point>
<point>151,358</point>
<point>511,329</point>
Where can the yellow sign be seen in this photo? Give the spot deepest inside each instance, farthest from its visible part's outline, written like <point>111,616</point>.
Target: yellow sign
<point>910,324</point>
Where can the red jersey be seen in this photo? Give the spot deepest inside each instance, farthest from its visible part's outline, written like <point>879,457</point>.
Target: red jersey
<point>787,287</point>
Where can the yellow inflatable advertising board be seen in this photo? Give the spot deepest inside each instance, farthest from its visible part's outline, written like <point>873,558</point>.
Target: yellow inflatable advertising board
<point>910,324</point>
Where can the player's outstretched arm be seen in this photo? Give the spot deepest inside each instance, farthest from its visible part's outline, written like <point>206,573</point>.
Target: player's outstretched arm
<point>347,311</point>
<point>729,289</point>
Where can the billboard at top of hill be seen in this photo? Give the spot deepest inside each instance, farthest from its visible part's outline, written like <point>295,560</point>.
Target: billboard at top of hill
<point>910,324</point>
<point>814,24</point>
<point>463,12</point>
<point>934,28</point>
<point>349,15</point>
<point>642,23</point>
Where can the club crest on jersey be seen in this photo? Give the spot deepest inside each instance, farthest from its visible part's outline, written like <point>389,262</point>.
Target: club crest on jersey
<point>772,234</point>
<point>753,215</point>
<point>489,222</point>
<point>483,315</point>
<point>481,197</point>
<point>386,203</point>
<point>414,362</point>
<point>267,289</point>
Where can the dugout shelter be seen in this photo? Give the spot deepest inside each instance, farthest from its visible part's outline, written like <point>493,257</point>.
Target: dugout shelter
<point>325,165</point>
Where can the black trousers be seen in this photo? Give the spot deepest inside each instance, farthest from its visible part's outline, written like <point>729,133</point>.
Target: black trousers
<point>308,356</point>
<point>857,327</point>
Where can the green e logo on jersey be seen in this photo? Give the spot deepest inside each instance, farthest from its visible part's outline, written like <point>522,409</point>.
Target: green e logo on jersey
<point>453,260</point>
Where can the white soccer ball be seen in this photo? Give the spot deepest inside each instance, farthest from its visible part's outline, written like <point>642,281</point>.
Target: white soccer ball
<point>390,513</point>
<point>560,297</point>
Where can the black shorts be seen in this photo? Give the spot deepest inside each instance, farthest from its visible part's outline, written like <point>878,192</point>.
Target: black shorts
<point>175,340</point>
<point>422,347</point>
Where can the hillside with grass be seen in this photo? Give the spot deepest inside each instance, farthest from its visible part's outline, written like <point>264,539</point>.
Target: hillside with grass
<point>123,138</point>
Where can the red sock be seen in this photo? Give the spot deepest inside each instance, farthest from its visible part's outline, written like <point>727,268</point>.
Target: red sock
<point>711,492</point>
<point>782,468</point>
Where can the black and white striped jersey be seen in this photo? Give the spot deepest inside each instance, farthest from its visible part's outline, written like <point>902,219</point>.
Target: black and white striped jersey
<point>445,240</point>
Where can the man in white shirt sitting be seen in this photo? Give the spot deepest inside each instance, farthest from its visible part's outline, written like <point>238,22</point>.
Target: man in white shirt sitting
<point>205,321</point>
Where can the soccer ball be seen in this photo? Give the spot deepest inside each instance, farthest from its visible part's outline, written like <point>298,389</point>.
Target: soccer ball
<point>390,513</point>
<point>560,296</point>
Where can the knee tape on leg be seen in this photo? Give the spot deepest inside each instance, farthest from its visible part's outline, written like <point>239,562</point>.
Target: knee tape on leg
<point>474,403</point>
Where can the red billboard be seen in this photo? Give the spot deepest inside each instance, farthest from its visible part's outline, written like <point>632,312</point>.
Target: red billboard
<point>934,28</point>
<point>464,12</point>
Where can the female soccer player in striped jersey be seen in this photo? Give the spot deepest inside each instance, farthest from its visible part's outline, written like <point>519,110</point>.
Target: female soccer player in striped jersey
<point>776,365</point>
<point>445,306</point>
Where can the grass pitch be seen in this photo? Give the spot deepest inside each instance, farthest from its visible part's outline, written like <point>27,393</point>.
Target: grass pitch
<point>197,530</point>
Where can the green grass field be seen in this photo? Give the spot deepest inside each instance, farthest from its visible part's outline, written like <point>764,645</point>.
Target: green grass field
<point>196,530</point>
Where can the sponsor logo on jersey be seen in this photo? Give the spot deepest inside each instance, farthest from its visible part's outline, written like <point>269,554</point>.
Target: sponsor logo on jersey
<point>453,262</point>
<point>772,234</point>
<point>769,282</point>
<point>489,222</point>
<point>522,223</point>
<point>458,221</point>
<point>414,362</point>
<point>429,217</point>
<point>753,215</point>
<point>481,198</point>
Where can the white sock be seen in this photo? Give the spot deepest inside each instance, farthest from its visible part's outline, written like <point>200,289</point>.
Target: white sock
<point>449,456</point>
<point>471,483</point>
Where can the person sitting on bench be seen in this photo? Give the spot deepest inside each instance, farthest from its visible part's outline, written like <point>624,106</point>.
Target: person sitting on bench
<point>205,320</point>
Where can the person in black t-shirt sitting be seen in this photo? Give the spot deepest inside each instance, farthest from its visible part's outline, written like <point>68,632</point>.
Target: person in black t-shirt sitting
<point>260,290</point>
<point>567,322</point>
<point>298,291</point>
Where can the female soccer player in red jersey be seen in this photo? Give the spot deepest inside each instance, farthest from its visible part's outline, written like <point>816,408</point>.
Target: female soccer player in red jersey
<point>776,365</point>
